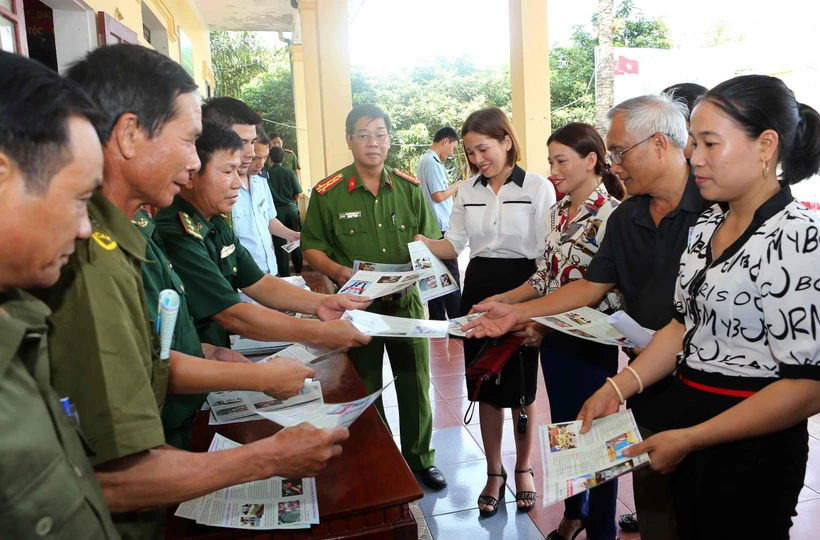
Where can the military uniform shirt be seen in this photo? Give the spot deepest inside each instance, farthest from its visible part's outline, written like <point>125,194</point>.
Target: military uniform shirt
<point>347,222</point>
<point>102,354</point>
<point>47,485</point>
<point>157,275</point>
<point>284,187</point>
<point>291,161</point>
<point>210,260</point>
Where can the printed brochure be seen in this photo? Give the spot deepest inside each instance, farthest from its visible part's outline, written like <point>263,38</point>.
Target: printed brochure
<point>591,324</point>
<point>387,326</point>
<point>227,407</point>
<point>435,280</point>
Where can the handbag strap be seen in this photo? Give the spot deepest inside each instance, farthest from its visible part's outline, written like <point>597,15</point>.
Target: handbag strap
<point>468,415</point>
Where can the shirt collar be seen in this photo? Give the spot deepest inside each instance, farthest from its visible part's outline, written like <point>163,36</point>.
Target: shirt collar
<point>195,216</point>
<point>691,201</point>
<point>517,176</point>
<point>433,153</point>
<point>144,221</point>
<point>25,314</point>
<point>354,181</point>
<point>594,201</point>
<point>106,215</point>
<point>774,205</point>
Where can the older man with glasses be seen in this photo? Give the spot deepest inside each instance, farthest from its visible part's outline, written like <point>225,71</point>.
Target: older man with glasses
<point>640,255</point>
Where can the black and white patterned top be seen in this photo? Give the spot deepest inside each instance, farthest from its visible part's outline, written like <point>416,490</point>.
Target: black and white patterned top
<point>755,311</point>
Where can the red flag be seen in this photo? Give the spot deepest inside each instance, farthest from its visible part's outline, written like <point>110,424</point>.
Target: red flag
<point>625,66</point>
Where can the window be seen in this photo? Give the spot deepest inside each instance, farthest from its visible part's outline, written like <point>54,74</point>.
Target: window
<point>12,27</point>
<point>153,30</point>
<point>146,33</point>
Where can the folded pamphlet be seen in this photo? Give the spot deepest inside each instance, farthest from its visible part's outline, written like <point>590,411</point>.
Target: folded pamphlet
<point>590,324</point>
<point>290,246</point>
<point>378,284</point>
<point>398,327</point>
<point>435,280</point>
<point>456,324</point>
<point>574,462</point>
<point>228,407</point>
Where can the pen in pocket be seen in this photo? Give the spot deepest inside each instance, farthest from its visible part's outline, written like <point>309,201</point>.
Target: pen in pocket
<point>70,410</point>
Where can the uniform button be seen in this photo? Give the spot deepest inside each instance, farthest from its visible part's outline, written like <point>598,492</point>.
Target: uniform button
<point>170,266</point>
<point>384,250</point>
<point>380,225</point>
<point>234,269</point>
<point>351,231</point>
<point>377,201</point>
<point>402,227</point>
<point>182,288</point>
<point>78,471</point>
<point>43,526</point>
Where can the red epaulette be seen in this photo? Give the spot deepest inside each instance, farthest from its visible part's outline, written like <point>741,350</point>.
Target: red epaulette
<point>328,183</point>
<point>407,176</point>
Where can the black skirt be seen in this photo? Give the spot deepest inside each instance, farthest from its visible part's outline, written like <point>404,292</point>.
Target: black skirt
<point>486,277</point>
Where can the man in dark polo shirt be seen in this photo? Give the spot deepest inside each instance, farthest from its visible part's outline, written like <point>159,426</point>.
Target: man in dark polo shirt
<point>640,255</point>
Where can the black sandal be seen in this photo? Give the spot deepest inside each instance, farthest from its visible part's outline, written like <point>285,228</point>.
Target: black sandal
<point>491,501</point>
<point>525,496</point>
<point>555,535</point>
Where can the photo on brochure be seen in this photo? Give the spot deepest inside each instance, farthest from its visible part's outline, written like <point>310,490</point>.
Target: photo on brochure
<point>613,472</point>
<point>389,279</point>
<point>289,512</point>
<point>367,267</point>
<point>427,283</point>
<point>425,329</point>
<point>558,322</point>
<point>563,436</point>
<point>422,263</point>
<point>355,287</point>
<point>252,515</point>
<point>291,487</point>
<point>615,447</point>
<point>445,280</point>
<point>576,318</point>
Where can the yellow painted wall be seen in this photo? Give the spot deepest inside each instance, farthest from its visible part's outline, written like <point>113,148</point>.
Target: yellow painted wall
<point>171,13</point>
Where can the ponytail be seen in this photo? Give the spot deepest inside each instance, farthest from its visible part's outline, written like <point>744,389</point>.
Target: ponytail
<point>803,159</point>
<point>612,183</point>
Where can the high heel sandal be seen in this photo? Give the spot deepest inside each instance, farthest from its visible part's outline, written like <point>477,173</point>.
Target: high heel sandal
<point>555,535</point>
<point>486,500</point>
<point>525,496</point>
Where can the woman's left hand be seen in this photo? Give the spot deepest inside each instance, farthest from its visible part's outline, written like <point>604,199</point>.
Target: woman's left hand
<point>420,238</point>
<point>533,333</point>
<point>666,449</point>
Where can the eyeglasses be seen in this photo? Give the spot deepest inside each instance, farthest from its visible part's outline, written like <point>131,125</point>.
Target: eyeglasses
<point>364,138</point>
<point>617,157</point>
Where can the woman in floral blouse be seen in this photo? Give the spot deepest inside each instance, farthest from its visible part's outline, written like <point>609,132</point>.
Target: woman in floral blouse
<point>575,368</point>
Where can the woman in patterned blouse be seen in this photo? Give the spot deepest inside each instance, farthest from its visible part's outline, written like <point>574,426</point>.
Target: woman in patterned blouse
<point>747,322</point>
<point>573,367</point>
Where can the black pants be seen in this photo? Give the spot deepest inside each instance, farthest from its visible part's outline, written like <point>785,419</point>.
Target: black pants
<point>289,216</point>
<point>447,306</point>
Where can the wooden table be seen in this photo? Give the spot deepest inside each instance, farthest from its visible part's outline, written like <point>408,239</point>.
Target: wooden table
<point>362,494</point>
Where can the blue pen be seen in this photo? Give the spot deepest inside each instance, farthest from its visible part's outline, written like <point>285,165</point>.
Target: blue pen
<point>70,410</point>
<point>66,403</point>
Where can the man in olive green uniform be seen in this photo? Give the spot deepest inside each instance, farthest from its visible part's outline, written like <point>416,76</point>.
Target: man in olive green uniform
<point>291,161</point>
<point>369,212</point>
<point>50,161</point>
<point>285,189</point>
<point>103,355</point>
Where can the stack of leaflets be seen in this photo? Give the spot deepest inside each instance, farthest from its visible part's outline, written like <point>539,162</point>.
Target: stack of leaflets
<point>456,324</point>
<point>435,279</point>
<point>235,406</point>
<point>590,324</point>
<point>387,326</point>
<point>375,284</point>
<point>324,415</point>
<point>574,462</point>
<point>276,503</point>
<point>306,353</point>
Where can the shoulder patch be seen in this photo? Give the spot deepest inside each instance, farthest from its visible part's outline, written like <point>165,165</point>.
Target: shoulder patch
<point>328,183</point>
<point>188,225</point>
<point>407,176</point>
<point>288,150</point>
<point>104,241</point>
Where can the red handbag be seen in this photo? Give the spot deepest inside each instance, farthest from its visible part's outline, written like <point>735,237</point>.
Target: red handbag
<point>488,364</point>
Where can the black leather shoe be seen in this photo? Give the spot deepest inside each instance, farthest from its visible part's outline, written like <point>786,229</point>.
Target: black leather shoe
<point>432,478</point>
<point>628,523</point>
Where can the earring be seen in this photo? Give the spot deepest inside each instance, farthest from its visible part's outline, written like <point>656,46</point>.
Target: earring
<point>765,169</point>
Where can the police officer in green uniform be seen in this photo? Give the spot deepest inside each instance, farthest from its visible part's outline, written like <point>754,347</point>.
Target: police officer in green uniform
<point>285,190</point>
<point>50,162</point>
<point>214,265</point>
<point>370,212</point>
<point>291,161</point>
<point>102,353</point>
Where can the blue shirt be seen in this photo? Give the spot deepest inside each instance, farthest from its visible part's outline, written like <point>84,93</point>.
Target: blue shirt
<point>251,221</point>
<point>434,179</point>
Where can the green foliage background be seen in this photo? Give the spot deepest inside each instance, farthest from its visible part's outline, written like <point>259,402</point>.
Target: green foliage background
<point>432,93</point>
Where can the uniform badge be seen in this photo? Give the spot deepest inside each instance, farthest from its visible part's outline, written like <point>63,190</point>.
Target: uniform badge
<point>322,187</point>
<point>226,250</point>
<point>104,241</point>
<point>142,222</point>
<point>349,215</point>
<point>188,225</point>
<point>407,176</point>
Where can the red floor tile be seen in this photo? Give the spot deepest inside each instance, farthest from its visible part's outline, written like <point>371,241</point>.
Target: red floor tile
<point>625,494</point>
<point>446,365</point>
<point>807,523</point>
<point>450,386</point>
<point>443,416</point>
<point>446,347</point>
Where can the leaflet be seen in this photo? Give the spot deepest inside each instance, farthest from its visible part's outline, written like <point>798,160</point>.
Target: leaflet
<point>226,407</point>
<point>435,279</point>
<point>380,267</point>
<point>290,246</point>
<point>324,415</point>
<point>456,324</point>
<point>275,503</point>
<point>586,323</point>
<point>633,331</point>
<point>574,462</point>
<point>387,326</point>
<point>307,353</point>
<point>378,284</point>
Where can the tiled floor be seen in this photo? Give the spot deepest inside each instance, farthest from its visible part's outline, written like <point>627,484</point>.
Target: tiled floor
<point>452,514</point>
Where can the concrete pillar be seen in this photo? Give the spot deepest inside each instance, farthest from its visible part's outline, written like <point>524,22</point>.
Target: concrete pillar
<point>530,78</point>
<point>327,83</point>
<point>297,67</point>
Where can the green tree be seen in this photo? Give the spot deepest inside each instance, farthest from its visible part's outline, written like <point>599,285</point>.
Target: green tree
<point>271,95</point>
<point>237,57</point>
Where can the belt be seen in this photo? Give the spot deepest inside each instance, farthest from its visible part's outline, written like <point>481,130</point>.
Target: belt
<point>715,389</point>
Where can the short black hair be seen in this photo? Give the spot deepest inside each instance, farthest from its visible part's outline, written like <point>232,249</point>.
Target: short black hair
<point>35,105</point>
<point>369,111</point>
<point>757,103</point>
<point>686,92</point>
<point>276,134</point>
<point>229,111</point>
<point>277,154</point>
<point>127,78</point>
<point>445,133</point>
<point>215,138</point>
<point>262,137</point>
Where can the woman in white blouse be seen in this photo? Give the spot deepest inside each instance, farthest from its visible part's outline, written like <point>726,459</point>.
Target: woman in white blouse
<point>748,322</point>
<point>502,214</point>
<point>575,368</point>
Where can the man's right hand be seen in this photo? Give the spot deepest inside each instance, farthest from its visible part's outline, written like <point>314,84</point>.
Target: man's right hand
<point>283,378</point>
<point>301,451</point>
<point>342,275</point>
<point>340,334</point>
<point>498,319</point>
